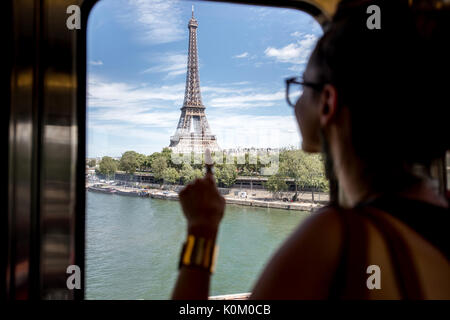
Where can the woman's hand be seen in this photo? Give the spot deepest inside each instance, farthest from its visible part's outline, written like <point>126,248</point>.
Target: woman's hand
<point>203,206</point>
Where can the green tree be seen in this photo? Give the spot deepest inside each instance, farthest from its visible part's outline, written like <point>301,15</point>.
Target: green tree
<point>107,166</point>
<point>140,161</point>
<point>265,162</point>
<point>187,173</point>
<point>92,163</point>
<point>159,164</point>
<point>246,171</point>
<point>148,162</point>
<point>198,174</point>
<point>171,175</point>
<point>307,170</point>
<point>292,166</point>
<point>276,184</point>
<point>251,169</point>
<point>227,174</point>
<point>167,154</point>
<point>151,158</point>
<point>315,175</point>
<point>128,162</point>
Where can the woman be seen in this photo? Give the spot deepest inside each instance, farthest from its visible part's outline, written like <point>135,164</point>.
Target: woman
<point>375,112</point>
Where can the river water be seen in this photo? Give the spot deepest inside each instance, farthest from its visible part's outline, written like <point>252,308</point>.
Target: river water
<point>133,246</point>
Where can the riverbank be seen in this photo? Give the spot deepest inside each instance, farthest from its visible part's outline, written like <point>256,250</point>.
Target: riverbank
<point>252,200</point>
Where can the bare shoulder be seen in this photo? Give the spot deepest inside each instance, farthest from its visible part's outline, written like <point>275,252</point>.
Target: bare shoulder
<point>304,266</point>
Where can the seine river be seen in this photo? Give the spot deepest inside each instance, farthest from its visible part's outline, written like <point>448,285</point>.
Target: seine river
<point>133,245</point>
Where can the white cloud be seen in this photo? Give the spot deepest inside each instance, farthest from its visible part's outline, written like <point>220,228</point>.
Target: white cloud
<point>135,117</point>
<point>158,21</point>
<point>122,95</point>
<point>242,55</point>
<point>131,115</point>
<point>294,53</point>
<point>103,93</point>
<point>250,100</point>
<point>240,83</point>
<point>285,54</point>
<point>114,139</point>
<point>171,64</point>
<point>296,34</point>
<point>96,63</point>
<point>229,89</point>
<point>124,116</point>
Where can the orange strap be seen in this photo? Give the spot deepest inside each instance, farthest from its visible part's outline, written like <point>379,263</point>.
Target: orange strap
<point>401,257</point>
<point>350,278</point>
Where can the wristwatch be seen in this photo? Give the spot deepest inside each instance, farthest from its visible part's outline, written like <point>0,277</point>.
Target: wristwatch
<point>199,252</point>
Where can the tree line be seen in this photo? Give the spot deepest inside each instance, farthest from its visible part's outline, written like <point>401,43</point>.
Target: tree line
<point>305,169</point>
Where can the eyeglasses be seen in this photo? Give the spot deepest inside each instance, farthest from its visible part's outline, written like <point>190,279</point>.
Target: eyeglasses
<point>294,89</point>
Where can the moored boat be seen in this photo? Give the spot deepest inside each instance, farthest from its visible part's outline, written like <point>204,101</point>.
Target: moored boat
<point>132,193</point>
<point>101,190</point>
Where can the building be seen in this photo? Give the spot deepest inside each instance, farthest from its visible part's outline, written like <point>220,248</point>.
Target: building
<point>193,133</point>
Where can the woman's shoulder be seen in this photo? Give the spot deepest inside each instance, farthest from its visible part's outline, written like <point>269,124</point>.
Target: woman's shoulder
<point>427,219</point>
<point>323,228</point>
<point>304,266</point>
<point>326,219</point>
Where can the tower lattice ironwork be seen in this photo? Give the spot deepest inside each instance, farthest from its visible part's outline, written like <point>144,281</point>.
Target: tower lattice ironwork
<point>193,132</point>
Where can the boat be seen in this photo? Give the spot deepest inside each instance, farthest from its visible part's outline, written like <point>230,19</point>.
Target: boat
<point>132,193</point>
<point>101,190</point>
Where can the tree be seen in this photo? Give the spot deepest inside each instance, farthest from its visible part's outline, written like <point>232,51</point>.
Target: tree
<point>227,174</point>
<point>140,161</point>
<point>159,164</point>
<point>147,163</point>
<point>128,162</point>
<point>314,172</point>
<point>247,171</point>
<point>306,169</point>
<point>276,184</point>
<point>107,166</point>
<point>187,173</point>
<point>171,175</point>
<point>167,154</point>
<point>197,174</point>
<point>292,166</point>
<point>92,163</point>
<point>151,158</point>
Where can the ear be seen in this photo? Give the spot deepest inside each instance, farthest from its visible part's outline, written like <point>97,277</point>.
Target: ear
<point>328,105</point>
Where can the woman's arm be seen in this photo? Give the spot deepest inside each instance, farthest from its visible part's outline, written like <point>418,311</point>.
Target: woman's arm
<point>203,207</point>
<point>193,283</point>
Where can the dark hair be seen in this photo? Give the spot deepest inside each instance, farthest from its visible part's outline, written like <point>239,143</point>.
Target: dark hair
<point>388,78</point>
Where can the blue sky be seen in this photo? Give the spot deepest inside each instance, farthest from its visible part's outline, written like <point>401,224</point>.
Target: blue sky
<point>137,55</point>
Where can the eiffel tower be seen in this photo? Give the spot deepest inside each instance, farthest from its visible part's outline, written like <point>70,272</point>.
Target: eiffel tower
<point>193,133</point>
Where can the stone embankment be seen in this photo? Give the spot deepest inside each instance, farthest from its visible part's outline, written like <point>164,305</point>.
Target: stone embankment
<point>303,205</point>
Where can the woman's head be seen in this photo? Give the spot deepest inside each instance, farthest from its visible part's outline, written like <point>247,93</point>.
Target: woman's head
<point>378,86</point>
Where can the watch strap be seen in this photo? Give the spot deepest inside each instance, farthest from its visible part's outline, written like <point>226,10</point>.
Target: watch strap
<point>199,252</point>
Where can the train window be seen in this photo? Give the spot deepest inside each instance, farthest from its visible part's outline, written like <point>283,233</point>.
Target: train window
<point>447,169</point>
<point>166,79</point>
